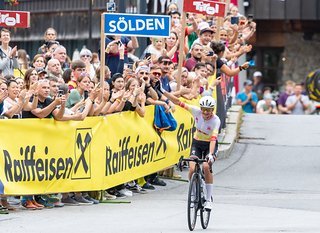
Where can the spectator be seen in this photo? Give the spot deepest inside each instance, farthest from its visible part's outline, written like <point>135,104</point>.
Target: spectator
<point>134,98</point>
<point>205,36</point>
<point>42,73</point>
<point>54,87</point>
<point>289,87</point>
<point>30,78</point>
<point>257,84</point>
<point>267,105</point>
<point>78,67</point>
<point>297,103</point>
<point>115,57</point>
<point>156,49</point>
<point>172,47</point>
<point>51,47</point>
<point>7,54</point>
<point>196,55</point>
<point>95,61</point>
<point>164,62</point>
<point>3,93</point>
<point>49,35</point>
<point>86,57</point>
<point>67,75</point>
<point>23,63</point>
<point>172,7</point>
<point>60,53</point>
<point>247,98</point>
<point>39,62</point>
<point>47,107</point>
<point>54,68</point>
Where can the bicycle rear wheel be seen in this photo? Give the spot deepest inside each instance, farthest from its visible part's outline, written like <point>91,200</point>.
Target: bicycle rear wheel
<point>193,201</point>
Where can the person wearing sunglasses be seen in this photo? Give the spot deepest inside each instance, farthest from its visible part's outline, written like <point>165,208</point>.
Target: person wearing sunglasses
<point>204,143</point>
<point>86,57</point>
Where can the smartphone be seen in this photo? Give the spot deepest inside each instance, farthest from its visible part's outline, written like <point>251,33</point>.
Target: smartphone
<point>250,18</point>
<point>234,20</point>
<point>86,95</point>
<point>252,63</point>
<point>210,53</point>
<point>129,66</point>
<point>147,55</point>
<point>119,43</point>
<point>63,89</point>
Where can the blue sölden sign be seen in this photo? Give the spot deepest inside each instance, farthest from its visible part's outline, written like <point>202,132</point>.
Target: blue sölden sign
<point>137,25</point>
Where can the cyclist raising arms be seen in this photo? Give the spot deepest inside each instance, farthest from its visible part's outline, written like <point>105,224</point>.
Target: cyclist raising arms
<point>204,142</point>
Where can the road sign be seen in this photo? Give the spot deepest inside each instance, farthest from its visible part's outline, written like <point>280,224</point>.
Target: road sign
<point>206,7</point>
<point>17,19</point>
<point>137,25</point>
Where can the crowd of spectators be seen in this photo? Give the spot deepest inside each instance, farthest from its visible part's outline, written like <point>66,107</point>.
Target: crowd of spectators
<point>259,98</point>
<point>53,86</point>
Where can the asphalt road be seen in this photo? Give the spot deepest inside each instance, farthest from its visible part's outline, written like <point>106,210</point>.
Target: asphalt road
<point>270,183</point>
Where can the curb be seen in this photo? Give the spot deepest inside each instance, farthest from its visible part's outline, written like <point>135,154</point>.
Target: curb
<point>228,137</point>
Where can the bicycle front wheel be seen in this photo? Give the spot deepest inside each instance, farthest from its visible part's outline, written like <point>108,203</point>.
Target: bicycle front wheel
<point>193,201</point>
<point>204,217</point>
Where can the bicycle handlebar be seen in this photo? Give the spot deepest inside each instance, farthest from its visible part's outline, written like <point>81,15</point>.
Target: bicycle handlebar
<point>196,160</point>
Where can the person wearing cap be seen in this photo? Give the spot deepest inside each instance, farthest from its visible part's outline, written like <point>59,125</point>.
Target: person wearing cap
<point>86,57</point>
<point>41,73</point>
<point>267,105</point>
<point>257,84</point>
<point>196,55</point>
<point>247,98</point>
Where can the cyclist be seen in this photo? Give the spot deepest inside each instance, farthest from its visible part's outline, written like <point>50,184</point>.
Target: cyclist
<point>205,138</point>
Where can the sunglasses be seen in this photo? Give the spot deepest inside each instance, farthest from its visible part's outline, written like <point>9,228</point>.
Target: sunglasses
<point>156,73</point>
<point>166,62</point>
<point>144,73</point>
<point>207,109</point>
<point>85,56</point>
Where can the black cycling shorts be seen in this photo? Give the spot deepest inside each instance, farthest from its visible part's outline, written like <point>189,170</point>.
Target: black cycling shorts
<point>201,148</point>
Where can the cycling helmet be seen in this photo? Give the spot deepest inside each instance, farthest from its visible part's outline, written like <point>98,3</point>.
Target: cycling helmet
<point>207,102</point>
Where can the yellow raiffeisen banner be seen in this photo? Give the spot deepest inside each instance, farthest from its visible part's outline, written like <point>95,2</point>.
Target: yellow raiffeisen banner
<point>40,156</point>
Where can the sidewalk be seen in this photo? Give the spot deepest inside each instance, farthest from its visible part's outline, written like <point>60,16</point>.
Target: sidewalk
<point>228,137</point>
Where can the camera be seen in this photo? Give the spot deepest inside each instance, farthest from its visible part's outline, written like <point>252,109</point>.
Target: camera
<point>111,6</point>
<point>119,43</point>
<point>147,55</point>
<point>210,53</point>
<point>60,93</point>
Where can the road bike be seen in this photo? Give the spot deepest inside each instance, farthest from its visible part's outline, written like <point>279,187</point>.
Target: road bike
<point>197,196</point>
